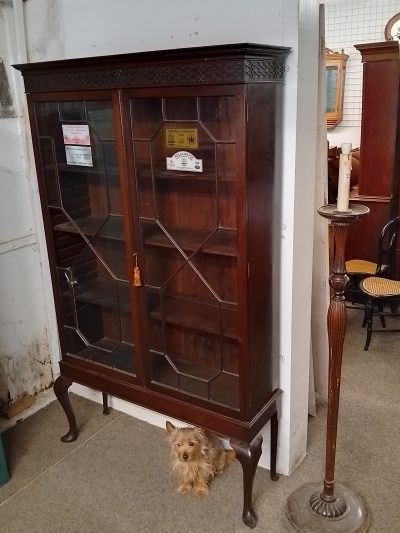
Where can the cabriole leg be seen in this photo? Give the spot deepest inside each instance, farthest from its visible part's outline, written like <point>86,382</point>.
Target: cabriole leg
<point>61,386</point>
<point>248,455</point>
<point>274,446</point>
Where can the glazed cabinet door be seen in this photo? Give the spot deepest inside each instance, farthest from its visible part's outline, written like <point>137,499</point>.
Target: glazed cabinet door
<point>88,237</point>
<point>185,151</point>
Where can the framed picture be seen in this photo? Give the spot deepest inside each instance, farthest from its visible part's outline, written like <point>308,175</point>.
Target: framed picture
<point>335,68</point>
<point>392,29</point>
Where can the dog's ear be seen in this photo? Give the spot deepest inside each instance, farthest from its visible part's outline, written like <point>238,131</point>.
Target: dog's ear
<point>170,427</point>
<point>201,435</point>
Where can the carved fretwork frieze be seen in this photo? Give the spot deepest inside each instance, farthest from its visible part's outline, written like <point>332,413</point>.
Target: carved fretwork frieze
<point>256,70</point>
<point>196,73</point>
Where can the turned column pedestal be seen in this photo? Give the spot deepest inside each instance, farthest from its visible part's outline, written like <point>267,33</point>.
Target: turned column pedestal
<point>334,508</point>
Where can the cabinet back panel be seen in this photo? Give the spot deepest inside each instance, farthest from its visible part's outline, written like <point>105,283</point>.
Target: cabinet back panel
<point>167,268</point>
<point>189,204</point>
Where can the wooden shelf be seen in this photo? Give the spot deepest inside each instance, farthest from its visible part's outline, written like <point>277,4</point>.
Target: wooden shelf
<point>111,353</point>
<point>81,169</point>
<point>161,173</point>
<point>197,315</point>
<point>223,242</point>
<point>95,226</point>
<point>197,380</point>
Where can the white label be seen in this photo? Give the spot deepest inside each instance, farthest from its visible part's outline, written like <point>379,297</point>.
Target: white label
<point>184,161</point>
<point>76,134</point>
<point>79,155</point>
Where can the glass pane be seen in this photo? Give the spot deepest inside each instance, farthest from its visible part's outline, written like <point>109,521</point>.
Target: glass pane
<point>331,83</point>
<point>100,117</point>
<point>74,111</point>
<point>112,173</point>
<point>218,116</point>
<point>47,117</point>
<point>47,153</point>
<point>144,179</point>
<point>186,176</point>
<point>79,163</point>
<point>180,108</point>
<point>97,307</point>
<point>226,168</point>
<point>146,117</point>
<point>218,269</point>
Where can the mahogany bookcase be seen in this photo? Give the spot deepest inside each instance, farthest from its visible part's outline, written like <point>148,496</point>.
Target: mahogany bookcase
<point>156,173</point>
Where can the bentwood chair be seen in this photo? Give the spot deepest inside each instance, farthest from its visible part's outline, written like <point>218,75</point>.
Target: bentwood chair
<point>359,269</point>
<point>379,291</point>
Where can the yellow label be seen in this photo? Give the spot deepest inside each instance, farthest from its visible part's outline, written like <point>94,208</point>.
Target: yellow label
<point>181,138</point>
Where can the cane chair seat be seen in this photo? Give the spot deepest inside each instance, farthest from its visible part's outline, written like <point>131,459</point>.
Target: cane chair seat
<point>380,287</point>
<point>379,291</point>
<point>361,266</point>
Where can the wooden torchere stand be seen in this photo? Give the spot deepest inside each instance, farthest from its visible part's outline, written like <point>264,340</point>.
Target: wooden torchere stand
<point>335,508</point>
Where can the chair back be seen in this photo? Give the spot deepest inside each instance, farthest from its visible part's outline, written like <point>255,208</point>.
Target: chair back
<point>387,245</point>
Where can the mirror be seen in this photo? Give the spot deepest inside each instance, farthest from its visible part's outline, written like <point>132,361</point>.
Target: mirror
<point>335,70</point>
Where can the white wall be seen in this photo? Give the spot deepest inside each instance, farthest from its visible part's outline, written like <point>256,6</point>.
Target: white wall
<point>300,142</point>
<point>72,28</point>
<point>320,288</point>
<point>349,23</point>
<point>25,366</point>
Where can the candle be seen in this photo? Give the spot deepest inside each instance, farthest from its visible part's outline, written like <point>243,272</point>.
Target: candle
<point>344,178</point>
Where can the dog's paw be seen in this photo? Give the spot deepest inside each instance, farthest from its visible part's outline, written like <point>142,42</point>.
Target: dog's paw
<point>230,456</point>
<point>202,491</point>
<point>184,489</point>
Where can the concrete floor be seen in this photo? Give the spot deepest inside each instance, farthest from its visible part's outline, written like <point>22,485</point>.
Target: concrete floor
<point>116,477</point>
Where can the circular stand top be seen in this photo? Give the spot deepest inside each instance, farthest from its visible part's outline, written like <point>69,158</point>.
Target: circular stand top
<point>354,212</point>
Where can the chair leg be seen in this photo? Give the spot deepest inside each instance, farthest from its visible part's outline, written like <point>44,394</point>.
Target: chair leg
<point>365,317</point>
<point>380,307</point>
<point>353,292</point>
<point>369,310</point>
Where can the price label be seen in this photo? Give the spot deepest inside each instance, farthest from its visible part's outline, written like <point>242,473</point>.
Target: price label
<point>184,161</point>
<point>182,138</point>
<point>79,156</point>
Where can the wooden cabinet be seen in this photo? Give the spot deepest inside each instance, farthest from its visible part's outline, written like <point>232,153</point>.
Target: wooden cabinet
<point>161,165</point>
<point>378,186</point>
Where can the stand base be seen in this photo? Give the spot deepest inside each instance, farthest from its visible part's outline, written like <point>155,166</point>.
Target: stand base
<point>306,511</point>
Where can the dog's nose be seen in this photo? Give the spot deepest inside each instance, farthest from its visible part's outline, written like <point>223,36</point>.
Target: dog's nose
<point>185,456</point>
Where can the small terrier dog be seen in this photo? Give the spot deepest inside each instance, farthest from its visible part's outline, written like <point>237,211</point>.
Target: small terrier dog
<point>197,455</point>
